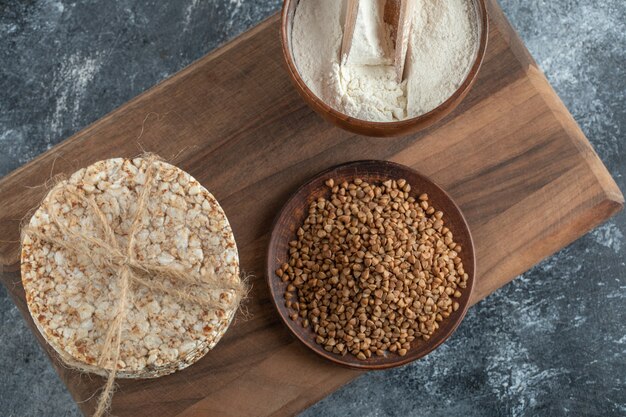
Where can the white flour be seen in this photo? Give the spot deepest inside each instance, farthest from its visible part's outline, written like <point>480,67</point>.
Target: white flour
<point>442,46</point>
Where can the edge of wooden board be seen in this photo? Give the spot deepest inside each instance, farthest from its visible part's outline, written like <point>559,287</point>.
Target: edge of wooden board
<point>11,179</point>
<point>612,200</point>
<point>554,102</point>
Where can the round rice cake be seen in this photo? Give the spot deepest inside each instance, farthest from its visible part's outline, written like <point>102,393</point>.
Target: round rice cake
<point>72,301</point>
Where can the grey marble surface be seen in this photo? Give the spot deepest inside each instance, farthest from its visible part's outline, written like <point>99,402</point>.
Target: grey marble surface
<point>552,343</point>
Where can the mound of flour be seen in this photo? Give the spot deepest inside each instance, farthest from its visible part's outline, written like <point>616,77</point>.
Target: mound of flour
<point>443,43</point>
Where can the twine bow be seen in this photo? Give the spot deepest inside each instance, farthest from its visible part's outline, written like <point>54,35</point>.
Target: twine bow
<point>131,272</point>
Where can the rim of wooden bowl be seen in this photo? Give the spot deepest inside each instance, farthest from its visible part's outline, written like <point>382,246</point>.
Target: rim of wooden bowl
<point>382,129</point>
<point>292,215</point>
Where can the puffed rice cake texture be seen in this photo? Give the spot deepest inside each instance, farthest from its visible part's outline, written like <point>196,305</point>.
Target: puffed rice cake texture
<point>72,301</point>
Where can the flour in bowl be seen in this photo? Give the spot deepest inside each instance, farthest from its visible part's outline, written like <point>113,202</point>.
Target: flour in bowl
<point>442,47</point>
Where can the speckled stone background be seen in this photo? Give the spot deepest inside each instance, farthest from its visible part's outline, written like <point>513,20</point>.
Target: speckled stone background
<point>552,343</point>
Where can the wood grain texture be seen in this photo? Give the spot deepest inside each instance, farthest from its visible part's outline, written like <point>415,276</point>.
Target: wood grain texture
<point>512,157</point>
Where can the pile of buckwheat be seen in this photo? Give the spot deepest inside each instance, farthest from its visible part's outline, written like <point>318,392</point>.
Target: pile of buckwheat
<point>372,269</point>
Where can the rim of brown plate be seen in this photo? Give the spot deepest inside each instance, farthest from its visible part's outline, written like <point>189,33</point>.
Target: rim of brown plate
<point>291,216</point>
<point>383,129</point>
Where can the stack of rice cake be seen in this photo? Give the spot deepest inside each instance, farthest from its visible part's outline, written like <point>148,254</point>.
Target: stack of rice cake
<point>72,301</point>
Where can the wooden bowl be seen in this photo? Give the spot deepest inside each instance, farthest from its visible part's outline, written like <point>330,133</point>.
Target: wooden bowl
<point>292,216</point>
<point>383,129</point>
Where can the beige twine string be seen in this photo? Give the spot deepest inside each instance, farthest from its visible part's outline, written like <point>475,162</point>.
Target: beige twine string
<point>106,253</point>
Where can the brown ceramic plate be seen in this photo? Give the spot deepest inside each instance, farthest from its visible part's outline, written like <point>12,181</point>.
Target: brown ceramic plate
<point>292,216</point>
<point>368,128</point>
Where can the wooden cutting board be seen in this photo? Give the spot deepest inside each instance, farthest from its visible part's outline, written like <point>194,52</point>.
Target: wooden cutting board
<point>511,155</point>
